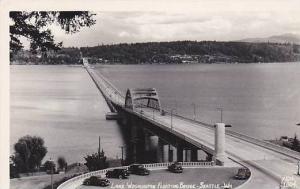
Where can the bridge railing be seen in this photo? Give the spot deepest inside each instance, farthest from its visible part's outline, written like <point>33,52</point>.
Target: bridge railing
<point>262,143</point>
<point>265,144</point>
<point>176,114</point>
<point>166,112</point>
<point>112,86</point>
<point>76,181</point>
<point>109,89</point>
<point>106,87</point>
<point>106,81</point>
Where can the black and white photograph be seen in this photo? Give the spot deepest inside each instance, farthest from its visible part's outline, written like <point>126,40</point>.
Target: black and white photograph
<point>195,94</point>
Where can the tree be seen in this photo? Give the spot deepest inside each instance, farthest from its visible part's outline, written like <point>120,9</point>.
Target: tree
<point>62,164</point>
<point>49,165</point>
<point>295,144</point>
<point>33,26</point>
<point>96,161</point>
<point>29,152</point>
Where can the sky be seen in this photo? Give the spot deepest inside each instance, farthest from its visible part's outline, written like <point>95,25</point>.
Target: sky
<point>167,20</point>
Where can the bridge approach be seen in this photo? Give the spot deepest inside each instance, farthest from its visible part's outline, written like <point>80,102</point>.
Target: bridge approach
<point>183,137</point>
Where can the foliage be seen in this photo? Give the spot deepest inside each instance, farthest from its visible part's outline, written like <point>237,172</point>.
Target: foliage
<point>33,26</point>
<point>202,52</point>
<point>295,144</point>
<point>96,161</point>
<point>62,163</point>
<point>29,152</point>
<point>49,165</point>
<point>62,56</point>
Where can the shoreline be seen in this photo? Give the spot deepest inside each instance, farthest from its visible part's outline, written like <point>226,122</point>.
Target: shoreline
<point>217,63</point>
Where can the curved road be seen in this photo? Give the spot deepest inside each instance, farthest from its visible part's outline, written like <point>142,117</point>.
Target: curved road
<point>268,166</point>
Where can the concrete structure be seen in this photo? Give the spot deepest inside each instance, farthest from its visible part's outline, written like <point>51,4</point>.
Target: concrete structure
<point>269,163</point>
<point>219,155</point>
<point>77,181</point>
<point>142,98</point>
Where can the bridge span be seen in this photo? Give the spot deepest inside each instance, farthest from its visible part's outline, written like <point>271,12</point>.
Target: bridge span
<point>180,139</point>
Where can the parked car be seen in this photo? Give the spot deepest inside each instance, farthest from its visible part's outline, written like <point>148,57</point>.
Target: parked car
<point>175,167</point>
<point>96,181</point>
<point>243,174</point>
<point>138,169</point>
<point>117,173</point>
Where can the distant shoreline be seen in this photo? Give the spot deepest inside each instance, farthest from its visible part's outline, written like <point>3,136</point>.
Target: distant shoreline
<point>176,52</point>
<point>79,65</point>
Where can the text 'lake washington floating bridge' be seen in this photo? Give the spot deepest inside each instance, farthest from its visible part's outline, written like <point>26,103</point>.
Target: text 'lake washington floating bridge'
<point>180,139</point>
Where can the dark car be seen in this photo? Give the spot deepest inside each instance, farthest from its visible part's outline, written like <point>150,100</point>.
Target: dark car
<point>117,173</point>
<point>96,181</point>
<point>138,169</point>
<point>175,168</point>
<point>243,174</point>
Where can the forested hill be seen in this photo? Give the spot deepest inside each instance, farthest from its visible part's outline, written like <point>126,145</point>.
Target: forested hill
<point>193,52</point>
<point>69,55</point>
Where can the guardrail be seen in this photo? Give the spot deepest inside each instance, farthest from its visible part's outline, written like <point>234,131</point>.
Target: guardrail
<point>262,143</point>
<point>265,144</point>
<point>109,92</point>
<point>76,181</point>
<point>107,82</point>
<point>172,129</point>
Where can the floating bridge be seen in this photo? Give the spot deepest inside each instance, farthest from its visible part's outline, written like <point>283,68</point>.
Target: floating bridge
<point>158,135</point>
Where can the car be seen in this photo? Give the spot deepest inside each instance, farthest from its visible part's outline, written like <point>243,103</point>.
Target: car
<point>117,173</point>
<point>96,181</point>
<point>175,168</point>
<point>138,169</point>
<point>242,174</point>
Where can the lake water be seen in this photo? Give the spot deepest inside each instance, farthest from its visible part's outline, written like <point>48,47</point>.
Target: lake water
<point>62,105</point>
<point>261,100</point>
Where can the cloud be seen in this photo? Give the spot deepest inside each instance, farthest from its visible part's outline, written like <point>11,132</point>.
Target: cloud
<point>143,26</point>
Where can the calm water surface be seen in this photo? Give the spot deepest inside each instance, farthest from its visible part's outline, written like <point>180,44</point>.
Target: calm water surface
<point>262,100</point>
<point>62,105</point>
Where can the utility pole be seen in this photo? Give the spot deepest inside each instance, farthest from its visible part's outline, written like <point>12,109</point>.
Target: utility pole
<point>153,114</point>
<point>172,119</point>
<point>194,105</point>
<point>99,147</point>
<point>52,166</point>
<point>122,151</point>
<point>175,105</point>
<point>298,173</point>
<point>51,177</point>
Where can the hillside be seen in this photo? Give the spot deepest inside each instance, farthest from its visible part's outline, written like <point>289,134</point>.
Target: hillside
<point>193,52</point>
<point>285,38</point>
<point>63,56</point>
<point>178,52</point>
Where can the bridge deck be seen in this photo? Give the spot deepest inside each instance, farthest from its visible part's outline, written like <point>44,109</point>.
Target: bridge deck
<point>269,163</point>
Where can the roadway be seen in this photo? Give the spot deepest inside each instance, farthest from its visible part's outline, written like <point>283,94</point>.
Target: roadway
<point>162,179</point>
<point>268,166</point>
